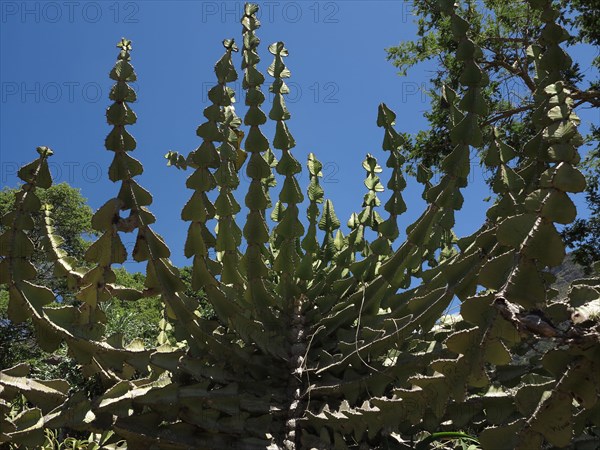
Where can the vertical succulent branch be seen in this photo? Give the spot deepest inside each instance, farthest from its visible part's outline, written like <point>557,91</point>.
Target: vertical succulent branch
<point>424,176</point>
<point>364,269</point>
<point>328,223</point>
<point>286,241</point>
<point>392,142</point>
<point>161,275</point>
<point>310,243</point>
<point>509,187</point>
<point>352,242</point>
<point>271,180</point>
<point>445,197</point>
<point>553,150</point>
<point>358,222</point>
<point>199,209</point>
<point>258,170</point>
<point>109,249</point>
<point>289,229</point>
<point>369,216</point>
<point>507,183</point>
<point>252,82</point>
<point>229,235</point>
<point>550,61</point>
<point>466,118</point>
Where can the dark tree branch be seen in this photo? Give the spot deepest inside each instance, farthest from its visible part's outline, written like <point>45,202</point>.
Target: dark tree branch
<point>591,96</point>
<point>505,39</point>
<point>507,113</point>
<point>497,62</point>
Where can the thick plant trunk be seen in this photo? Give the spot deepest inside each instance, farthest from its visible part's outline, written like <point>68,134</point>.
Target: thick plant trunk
<point>296,363</point>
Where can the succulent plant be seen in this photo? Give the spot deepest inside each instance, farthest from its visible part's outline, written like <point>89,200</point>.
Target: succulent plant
<point>324,339</point>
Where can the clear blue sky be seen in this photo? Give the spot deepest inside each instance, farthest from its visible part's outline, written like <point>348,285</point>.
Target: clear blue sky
<point>55,59</point>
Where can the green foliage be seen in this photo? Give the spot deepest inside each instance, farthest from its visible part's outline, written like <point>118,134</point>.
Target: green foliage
<point>133,319</point>
<point>330,345</point>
